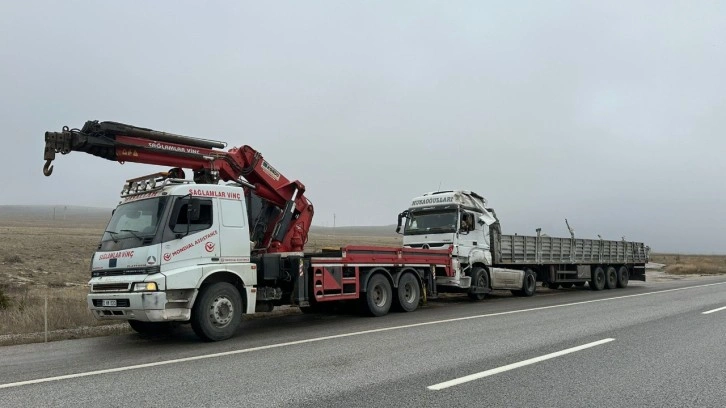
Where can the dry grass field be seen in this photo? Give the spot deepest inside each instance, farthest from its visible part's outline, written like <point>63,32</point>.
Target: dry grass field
<point>46,256</point>
<point>691,264</point>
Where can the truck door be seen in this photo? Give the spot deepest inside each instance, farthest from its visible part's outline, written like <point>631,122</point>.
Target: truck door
<point>472,240</point>
<point>191,239</point>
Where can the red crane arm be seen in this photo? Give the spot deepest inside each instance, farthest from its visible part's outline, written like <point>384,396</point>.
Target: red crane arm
<point>286,231</point>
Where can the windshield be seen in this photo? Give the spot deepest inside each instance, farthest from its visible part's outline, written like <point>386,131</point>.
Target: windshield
<point>431,222</point>
<point>136,220</point>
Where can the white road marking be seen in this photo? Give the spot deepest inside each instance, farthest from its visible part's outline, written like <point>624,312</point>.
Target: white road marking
<point>487,373</point>
<point>336,336</point>
<point>715,310</point>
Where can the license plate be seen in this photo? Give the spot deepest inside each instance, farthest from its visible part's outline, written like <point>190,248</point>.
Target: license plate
<point>108,303</point>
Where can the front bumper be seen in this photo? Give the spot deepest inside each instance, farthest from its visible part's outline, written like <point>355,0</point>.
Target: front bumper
<point>143,306</point>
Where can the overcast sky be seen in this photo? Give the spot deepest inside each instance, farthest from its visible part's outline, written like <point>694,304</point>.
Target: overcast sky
<point>610,114</point>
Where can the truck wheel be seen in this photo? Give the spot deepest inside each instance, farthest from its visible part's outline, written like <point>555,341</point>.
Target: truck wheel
<point>597,281</point>
<point>408,294</point>
<point>217,313</point>
<point>479,279</point>
<point>611,278</point>
<point>623,277</point>
<point>151,328</point>
<point>378,296</point>
<point>529,285</point>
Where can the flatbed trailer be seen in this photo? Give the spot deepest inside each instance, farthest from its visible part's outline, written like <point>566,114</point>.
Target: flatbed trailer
<point>571,261</point>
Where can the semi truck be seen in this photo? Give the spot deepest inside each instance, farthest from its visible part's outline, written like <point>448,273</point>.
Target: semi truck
<point>229,240</point>
<point>487,260</point>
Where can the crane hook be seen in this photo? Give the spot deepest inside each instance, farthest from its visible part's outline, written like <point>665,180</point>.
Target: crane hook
<point>47,168</point>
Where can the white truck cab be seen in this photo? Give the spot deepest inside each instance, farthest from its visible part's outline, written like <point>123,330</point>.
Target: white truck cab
<point>461,220</point>
<point>164,240</point>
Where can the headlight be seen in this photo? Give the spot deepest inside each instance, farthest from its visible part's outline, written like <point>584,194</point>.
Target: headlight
<point>145,287</point>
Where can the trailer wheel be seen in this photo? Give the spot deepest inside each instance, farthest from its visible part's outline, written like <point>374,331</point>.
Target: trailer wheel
<point>152,328</point>
<point>611,278</point>
<point>217,313</point>
<point>479,279</point>
<point>597,282</point>
<point>623,277</point>
<point>378,296</point>
<point>408,293</point>
<point>529,284</point>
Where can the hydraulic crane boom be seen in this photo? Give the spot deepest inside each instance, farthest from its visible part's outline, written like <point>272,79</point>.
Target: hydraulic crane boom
<point>280,214</point>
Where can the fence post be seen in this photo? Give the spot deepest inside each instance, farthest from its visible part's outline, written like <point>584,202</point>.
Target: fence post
<point>45,317</point>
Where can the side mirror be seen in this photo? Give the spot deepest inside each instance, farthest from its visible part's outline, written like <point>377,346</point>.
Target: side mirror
<point>400,218</point>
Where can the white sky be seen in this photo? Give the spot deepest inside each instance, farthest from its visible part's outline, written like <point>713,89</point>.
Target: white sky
<point>609,114</point>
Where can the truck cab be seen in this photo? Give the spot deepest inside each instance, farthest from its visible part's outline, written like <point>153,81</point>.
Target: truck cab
<point>165,241</point>
<point>461,221</point>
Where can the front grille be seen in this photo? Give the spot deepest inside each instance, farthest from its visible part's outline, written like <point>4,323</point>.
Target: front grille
<point>110,287</point>
<point>119,303</point>
<point>131,271</point>
<point>431,245</point>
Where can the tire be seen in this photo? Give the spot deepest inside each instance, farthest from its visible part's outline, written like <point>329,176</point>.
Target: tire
<point>151,328</point>
<point>408,293</point>
<point>623,277</point>
<point>611,278</point>
<point>529,284</point>
<point>567,285</point>
<point>479,279</point>
<point>597,281</point>
<point>217,313</point>
<point>378,297</point>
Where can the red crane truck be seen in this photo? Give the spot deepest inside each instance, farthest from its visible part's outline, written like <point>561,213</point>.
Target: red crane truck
<point>225,242</point>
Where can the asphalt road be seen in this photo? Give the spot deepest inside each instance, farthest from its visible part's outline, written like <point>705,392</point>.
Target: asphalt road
<point>647,345</point>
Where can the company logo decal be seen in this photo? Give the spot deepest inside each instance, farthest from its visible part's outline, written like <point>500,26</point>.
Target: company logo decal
<point>116,255</point>
<point>218,194</point>
<point>151,260</point>
<point>270,170</point>
<point>207,247</point>
<point>433,200</point>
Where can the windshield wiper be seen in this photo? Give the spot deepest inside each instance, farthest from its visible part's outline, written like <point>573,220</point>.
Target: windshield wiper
<point>132,233</point>
<point>113,235</point>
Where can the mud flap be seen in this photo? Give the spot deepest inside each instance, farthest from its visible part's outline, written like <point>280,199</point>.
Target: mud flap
<point>637,273</point>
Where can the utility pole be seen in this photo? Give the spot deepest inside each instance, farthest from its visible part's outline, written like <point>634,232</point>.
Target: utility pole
<point>333,220</point>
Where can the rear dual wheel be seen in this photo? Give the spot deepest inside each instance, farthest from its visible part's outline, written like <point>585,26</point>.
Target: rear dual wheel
<point>408,293</point>
<point>623,276</point>
<point>597,280</point>
<point>378,297</point>
<point>611,277</point>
